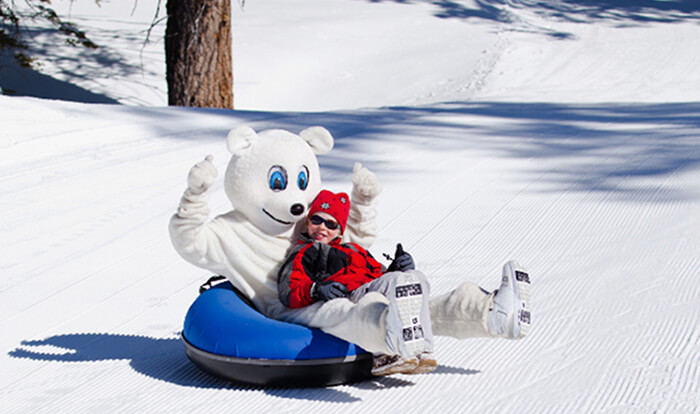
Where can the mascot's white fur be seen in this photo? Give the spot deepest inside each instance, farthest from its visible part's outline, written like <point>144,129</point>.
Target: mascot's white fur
<point>271,179</point>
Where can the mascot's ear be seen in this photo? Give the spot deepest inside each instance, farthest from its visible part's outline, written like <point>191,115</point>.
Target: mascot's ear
<point>240,139</point>
<point>318,138</point>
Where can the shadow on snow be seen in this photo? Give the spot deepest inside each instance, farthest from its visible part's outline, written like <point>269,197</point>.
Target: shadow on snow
<point>582,11</point>
<point>614,144</point>
<point>164,359</point>
<point>82,64</point>
<point>624,150</point>
<point>621,12</point>
<point>18,81</point>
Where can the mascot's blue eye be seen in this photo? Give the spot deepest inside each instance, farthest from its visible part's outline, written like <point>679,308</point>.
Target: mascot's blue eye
<point>277,178</point>
<point>303,180</point>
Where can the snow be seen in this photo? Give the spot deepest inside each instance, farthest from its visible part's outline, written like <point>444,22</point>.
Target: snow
<point>563,134</point>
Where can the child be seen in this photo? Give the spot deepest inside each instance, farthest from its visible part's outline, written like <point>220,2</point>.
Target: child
<point>321,268</point>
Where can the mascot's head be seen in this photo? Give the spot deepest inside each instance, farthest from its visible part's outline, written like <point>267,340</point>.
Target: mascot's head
<point>273,175</point>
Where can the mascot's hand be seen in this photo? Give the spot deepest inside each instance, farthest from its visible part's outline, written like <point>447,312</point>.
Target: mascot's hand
<point>202,176</point>
<point>365,185</point>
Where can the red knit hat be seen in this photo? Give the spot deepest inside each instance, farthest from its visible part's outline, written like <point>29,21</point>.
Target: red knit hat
<point>337,205</point>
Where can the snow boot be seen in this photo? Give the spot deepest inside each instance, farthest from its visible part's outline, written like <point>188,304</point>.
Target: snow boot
<point>426,363</point>
<point>510,315</point>
<point>393,364</point>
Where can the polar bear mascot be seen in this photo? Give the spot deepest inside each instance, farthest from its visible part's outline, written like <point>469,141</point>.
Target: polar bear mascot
<point>271,179</point>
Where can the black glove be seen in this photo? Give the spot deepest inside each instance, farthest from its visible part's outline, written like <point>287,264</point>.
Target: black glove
<point>402,261</point>
<point>325,291</point>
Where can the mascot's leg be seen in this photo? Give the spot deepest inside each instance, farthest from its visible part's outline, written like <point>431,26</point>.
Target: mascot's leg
<point>469,311</point>
<point>362,323</point>
<point>462,313</point>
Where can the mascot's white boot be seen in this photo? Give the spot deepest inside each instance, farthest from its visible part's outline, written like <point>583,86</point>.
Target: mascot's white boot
<point>471,312</point>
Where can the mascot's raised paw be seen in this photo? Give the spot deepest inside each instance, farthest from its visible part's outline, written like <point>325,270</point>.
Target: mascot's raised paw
<point>365,185</point>
<point>202,176</point>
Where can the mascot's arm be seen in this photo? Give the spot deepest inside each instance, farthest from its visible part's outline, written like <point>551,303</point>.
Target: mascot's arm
<point>195,239</point>
<point>361,227</point>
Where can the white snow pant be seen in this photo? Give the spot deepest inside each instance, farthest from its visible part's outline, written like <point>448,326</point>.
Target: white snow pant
<point>462,313</point>
<point>361,318</point>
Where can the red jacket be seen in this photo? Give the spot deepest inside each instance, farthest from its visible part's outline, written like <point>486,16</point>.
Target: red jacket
<point>312,262</point>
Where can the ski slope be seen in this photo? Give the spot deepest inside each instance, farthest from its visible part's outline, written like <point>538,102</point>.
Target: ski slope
<point>565,136</point>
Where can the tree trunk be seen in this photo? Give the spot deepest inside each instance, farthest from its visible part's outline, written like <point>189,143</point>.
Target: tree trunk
<point>198,53</point>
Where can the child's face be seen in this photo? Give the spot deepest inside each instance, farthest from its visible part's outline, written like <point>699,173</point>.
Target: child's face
<point>321,233</point>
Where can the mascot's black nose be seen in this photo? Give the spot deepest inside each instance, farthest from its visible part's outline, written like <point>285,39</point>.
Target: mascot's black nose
<point>297,209</point>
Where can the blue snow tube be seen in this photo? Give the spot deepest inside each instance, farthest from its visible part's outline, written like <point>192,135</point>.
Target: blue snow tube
<point>227,337</point>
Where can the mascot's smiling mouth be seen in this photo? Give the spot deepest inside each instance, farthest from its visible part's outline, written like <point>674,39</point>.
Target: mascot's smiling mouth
<point>276,219</point>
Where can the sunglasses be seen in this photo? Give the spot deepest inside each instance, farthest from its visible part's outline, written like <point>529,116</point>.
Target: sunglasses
<point>330,224</point>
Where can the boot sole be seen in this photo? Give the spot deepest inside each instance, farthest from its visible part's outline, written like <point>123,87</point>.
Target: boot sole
<point>520,279</point>
<point>425,365</point>
<point>409,300</point>
<point>402,366</point>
